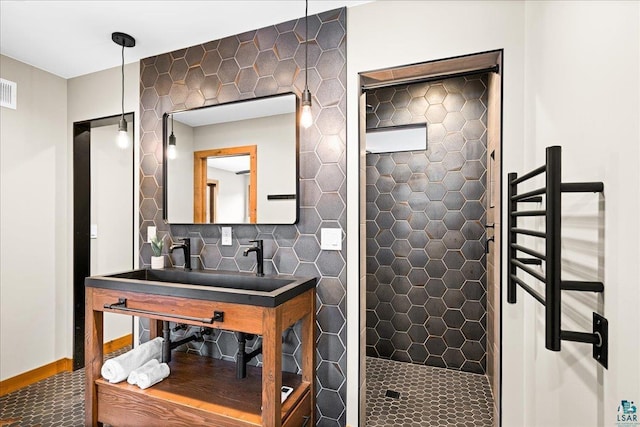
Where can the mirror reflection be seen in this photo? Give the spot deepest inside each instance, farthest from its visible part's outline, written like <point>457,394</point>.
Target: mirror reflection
<point>233,163</point>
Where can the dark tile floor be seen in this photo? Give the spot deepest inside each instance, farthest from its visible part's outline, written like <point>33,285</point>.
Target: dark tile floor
<point>56,401</point>
<point>428,396</point>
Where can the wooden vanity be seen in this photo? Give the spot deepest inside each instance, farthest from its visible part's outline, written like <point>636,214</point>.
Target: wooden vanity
<point>202,391</point>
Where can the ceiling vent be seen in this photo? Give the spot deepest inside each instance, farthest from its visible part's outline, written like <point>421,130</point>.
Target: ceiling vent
<point>8,94</point>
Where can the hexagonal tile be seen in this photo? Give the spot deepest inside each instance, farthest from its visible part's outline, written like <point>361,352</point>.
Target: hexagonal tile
<point>330,263</point>
<point>473,169</point>
<point>453,318</point>
<point>228,47</point>
<point>436,94</point>
<point>330,64</point>
<point>453,338</point>
<point>385,183</point>
<point>435,268</point>
<point>228,71</point>
<point>473,89</point>
<point>194,55</point>
<point>285,73</point>
<point>330,35</point>
<point>401,322</point>
<point>453,102</point>
<point>247,80</point>
<point>436,345</point>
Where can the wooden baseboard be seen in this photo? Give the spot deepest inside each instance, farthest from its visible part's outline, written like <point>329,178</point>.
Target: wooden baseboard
<point>117,344</point>
<point>38,374</point>
<point>22,380</point>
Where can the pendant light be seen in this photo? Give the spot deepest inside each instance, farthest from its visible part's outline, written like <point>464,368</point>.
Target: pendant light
<point>171,149</point>
<point>306,119</point>
<point>124,40</point>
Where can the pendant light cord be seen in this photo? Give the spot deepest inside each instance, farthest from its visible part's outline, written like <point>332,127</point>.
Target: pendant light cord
<point>122,80</point>
<point>306,44</point>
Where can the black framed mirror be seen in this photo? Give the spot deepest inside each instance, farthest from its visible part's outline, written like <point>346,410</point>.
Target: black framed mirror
<point>232,163</point>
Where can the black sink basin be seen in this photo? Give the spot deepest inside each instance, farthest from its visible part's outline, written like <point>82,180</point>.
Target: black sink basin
<point>215,285</point>
<point>217,278</point>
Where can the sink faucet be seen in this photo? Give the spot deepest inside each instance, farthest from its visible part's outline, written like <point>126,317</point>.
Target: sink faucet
<point>186,248</point>
<point>259,255</point>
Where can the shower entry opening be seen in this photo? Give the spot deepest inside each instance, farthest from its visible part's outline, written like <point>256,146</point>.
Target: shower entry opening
<point>431,293</point>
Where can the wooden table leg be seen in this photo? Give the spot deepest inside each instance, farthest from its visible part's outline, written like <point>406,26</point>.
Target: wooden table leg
<point>93,357</point>
<point>271,367</point>
<point>155,328</point>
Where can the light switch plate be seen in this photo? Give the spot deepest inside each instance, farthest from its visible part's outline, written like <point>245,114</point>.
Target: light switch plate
<point>226,236</point>
<point>94,231</point>
<point>330,239</point>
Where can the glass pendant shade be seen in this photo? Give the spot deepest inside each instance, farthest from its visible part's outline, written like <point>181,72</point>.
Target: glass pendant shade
<point>123,136</point>
<point>306,119</point>
<point>171,149</point>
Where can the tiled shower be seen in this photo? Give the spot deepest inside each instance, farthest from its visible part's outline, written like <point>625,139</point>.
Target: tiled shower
<point>425,211</point>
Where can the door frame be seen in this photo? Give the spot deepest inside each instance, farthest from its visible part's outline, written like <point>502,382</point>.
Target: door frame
<point>82,220</point>
<point>488,61</point>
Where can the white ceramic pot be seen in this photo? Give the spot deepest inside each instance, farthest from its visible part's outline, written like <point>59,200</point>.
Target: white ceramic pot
<point>157,262</point>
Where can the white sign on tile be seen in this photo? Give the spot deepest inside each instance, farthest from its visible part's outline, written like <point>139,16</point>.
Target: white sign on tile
<point>330,239</point>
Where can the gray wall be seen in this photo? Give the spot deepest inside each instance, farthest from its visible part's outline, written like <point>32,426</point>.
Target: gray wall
<point>426,274</point>
<point>257,63</point>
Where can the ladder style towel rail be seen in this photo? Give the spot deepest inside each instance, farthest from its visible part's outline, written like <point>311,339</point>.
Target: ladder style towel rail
<point>529,232</point>
<point>552,277</point>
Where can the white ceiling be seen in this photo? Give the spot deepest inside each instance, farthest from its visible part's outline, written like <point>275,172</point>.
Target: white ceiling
<point>73,38</point>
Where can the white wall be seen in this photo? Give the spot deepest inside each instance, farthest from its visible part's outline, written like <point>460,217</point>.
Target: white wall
<point>391,34</point>
<point>582,91</point>
<point>571,78</point>
<point>112,177</point>
<point>36,214</point>
<point>33,225</point>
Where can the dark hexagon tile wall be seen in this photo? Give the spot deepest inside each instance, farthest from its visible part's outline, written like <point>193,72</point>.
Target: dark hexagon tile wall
<point>426,275</point>
<point>257,63</point>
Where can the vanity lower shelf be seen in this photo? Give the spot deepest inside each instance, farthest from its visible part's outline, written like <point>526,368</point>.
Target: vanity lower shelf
<point>200,391</point>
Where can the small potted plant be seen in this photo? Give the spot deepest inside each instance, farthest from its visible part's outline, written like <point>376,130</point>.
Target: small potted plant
<point>157,261</point>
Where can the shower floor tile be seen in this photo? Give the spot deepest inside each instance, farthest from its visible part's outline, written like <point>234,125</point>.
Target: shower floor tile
<point>54,401</point>
<point>428,396</point>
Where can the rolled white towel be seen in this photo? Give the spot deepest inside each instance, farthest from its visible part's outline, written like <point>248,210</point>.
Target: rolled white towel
<point>133,376</point>
<point>118,369</point>
<point>153,376</point>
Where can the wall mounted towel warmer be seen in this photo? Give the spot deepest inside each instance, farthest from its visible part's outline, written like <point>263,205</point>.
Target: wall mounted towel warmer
<point>554,284</point>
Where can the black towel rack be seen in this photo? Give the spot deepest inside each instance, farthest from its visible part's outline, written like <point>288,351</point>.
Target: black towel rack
<point>554,284</point>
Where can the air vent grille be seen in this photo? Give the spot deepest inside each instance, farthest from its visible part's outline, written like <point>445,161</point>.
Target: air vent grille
<point>8,94</point>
